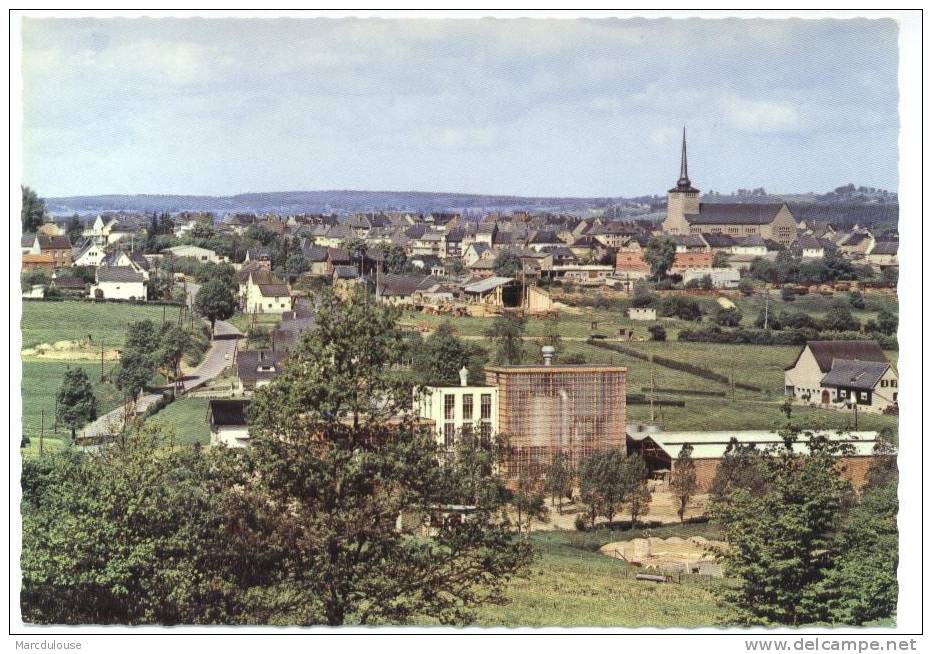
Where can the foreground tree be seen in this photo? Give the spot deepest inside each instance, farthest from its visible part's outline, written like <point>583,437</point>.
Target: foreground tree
<point>215,301</point>
<point>602,487</point>
<point>559,480</point>
<point>135,371</point>
<point>780,542</point>
<point>638,489</point>
<point>134,534</point>
<point>75,401</point>
<point>335,467</point>
<point>683,482</point>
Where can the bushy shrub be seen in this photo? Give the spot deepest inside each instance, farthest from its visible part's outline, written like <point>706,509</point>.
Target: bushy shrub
<point>787,294</point>
<point>677,306</point>
<point>728,317</point>
<point>657,333</point>
<point>580,523</point>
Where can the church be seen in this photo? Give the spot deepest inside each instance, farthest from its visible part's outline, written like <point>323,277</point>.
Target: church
<point>686,215</point>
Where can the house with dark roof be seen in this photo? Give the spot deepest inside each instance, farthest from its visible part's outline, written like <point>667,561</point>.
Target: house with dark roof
<point>686,215</point>
<point>58,247</point>
<point>843,375</point>
<point>118,283</point>
<point>398,289</point>
<point>263,292</point>
<point>228,422</point>
<point>257,368</point>
<point>294,323</point>
<point>883,254</point>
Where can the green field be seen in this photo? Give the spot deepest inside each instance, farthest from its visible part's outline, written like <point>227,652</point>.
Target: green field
<point>571,584</point>
<point>187,417</point>
<point>41,380</point>
<point>105,322</point>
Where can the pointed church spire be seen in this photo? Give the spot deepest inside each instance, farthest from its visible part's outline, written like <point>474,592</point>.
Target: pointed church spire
<point>684,175</point>
<point>683,184</point>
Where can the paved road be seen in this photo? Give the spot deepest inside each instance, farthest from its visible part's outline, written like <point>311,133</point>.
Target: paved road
<point>218,357</point>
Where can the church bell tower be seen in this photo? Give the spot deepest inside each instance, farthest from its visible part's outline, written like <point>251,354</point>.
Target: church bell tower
<point>682,200</point>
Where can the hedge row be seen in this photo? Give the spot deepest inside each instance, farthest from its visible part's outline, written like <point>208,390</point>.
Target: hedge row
<point>640,398</point>
<point>154,303</point>
<point>684,391</point>
<point>674,364</point>
<point>779,337</point>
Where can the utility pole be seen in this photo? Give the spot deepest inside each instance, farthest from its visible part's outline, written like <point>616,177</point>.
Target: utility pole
<point>652,417</point>
<point>102,377</point>
<point>766,306</point>
<point>42,432</point>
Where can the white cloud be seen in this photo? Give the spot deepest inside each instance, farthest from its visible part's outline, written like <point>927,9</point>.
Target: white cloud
<point>760,116</point>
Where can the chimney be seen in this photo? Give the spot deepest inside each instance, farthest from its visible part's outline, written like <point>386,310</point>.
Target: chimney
<point>548,352</point>
<point>464,376</point>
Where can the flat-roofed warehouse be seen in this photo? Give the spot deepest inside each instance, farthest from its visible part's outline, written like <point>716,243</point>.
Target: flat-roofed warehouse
<point>543,409</point>
<point>660,450</point>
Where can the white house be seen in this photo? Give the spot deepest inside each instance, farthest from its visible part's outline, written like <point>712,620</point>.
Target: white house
<point>458,409</point>
<point>194,252</point>
<point>265,293</point>
<point>228,425</point>
<point>118,283</point>
<point>90,255</point>
<point>843,375</point>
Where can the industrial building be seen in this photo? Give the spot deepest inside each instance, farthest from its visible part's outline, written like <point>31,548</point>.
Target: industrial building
<point>454,410</point>
<point>660,450</point>
<point>544,409</point>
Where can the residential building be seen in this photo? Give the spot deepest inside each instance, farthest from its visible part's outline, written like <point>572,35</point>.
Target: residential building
<point>642,313</point>
<point>90,254</point>
<point>203,255</point>
<point>263,292</point>
<point>843,375</point>
<point>257,368</point>
<point>44,262</point>
<point>58,247</point>
<point>118,283</point>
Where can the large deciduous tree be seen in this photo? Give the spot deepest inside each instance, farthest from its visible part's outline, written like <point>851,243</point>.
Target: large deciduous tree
<point>76,403</point>
<point>780,541</point>
<point>135,371</point>
<point>215,301</point>
<point>683,482</point>
<point>659,254</point>
<point>601,479</point>
<point>338,459</point>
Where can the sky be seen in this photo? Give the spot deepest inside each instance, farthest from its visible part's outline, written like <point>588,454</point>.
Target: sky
<point>501,106</point>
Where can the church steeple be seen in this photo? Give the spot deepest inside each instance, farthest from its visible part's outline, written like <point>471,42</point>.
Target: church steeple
<point>683,185</point>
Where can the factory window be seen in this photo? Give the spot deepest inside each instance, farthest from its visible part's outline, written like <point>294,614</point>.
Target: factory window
<point>467,407</point>
<point>449,405</point>
<point>486,408</point>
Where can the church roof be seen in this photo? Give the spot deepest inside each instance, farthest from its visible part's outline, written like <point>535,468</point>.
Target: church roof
<point>734,214</point>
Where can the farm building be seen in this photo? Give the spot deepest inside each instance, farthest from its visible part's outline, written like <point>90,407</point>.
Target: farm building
<point>660,450</point>
<point>548,408</point>
<point>642,313</point>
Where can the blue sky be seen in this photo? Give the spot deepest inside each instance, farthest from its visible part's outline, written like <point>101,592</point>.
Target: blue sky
<point>525,107</point>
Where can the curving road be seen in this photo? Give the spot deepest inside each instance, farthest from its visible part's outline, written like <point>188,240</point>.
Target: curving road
<point>218,357</point>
